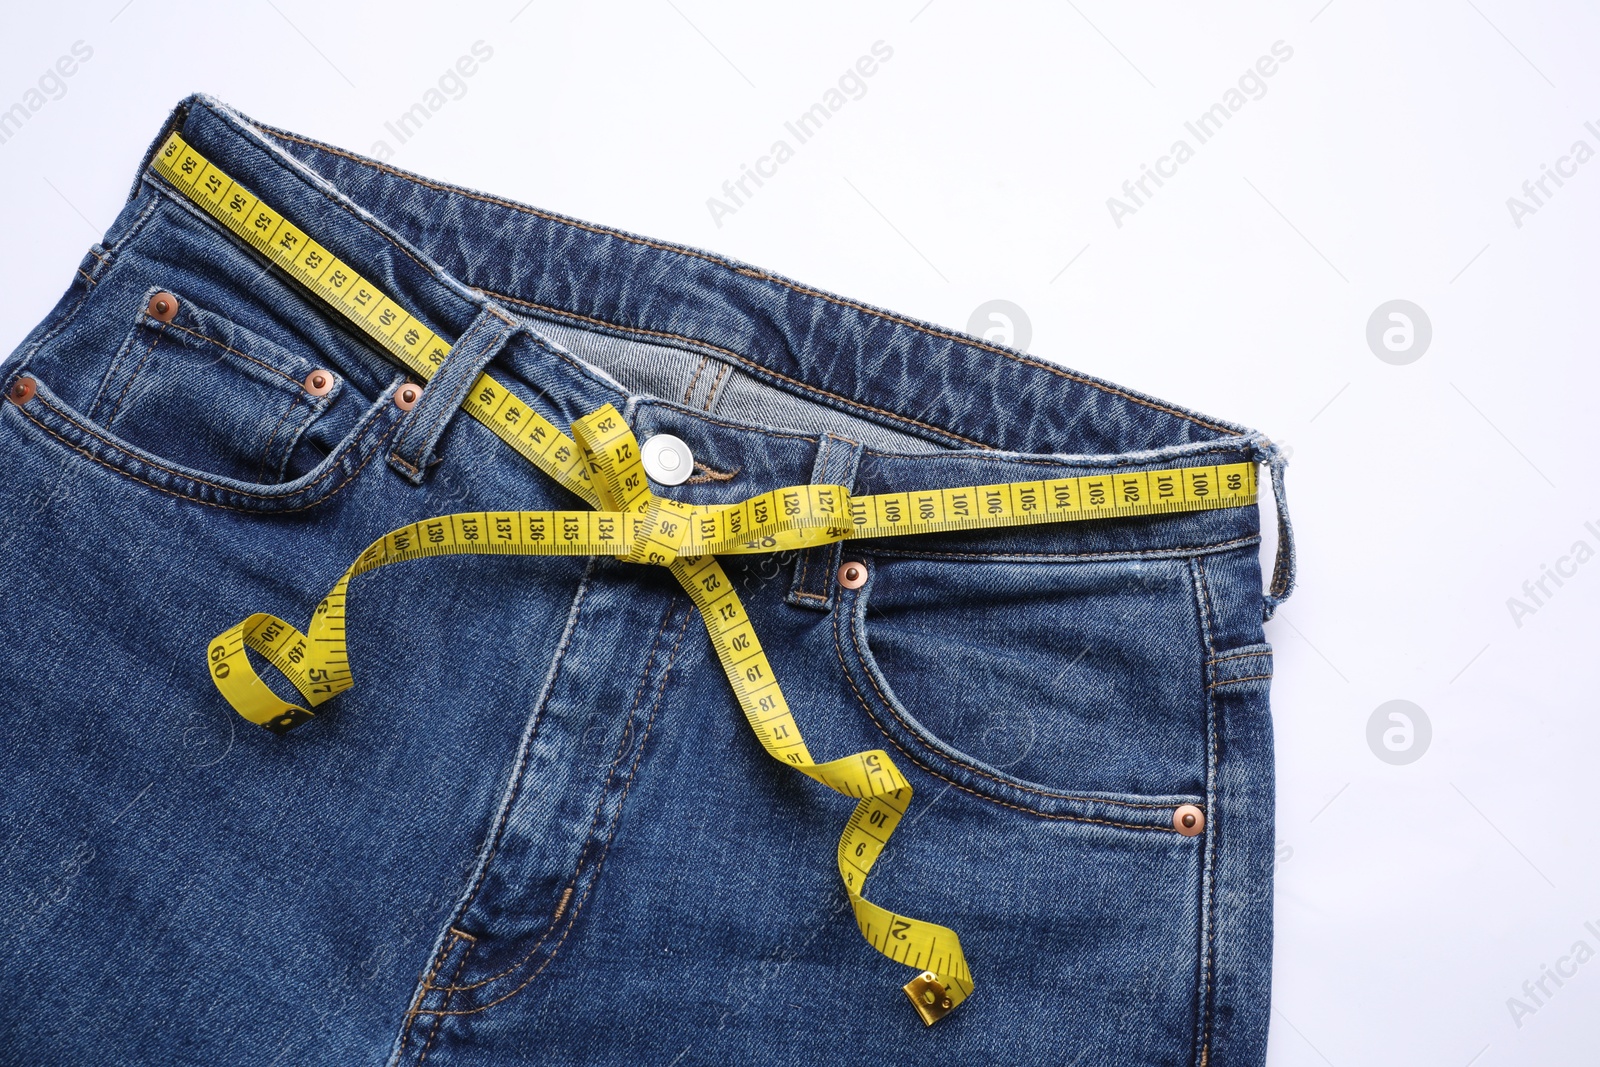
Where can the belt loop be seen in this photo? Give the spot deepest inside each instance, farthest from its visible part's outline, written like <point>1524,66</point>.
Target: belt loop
<point>441,398</point>
<point>1283,567</point>
<point>816,570</point>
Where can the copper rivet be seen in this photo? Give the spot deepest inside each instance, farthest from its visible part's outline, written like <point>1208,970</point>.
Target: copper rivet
<point>853,575</point>
<point>22,390</point>
<point>1188,820</point>
<point>163,306</point>
<point>406,397</point>
<point>319,383</point>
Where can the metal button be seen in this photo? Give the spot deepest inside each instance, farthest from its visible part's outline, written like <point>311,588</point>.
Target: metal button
<point>1188,820</point>
<point>929,996</point>
<point>853,575</point>
<point>319,382</point>
<point>163,306</point>
<point>406,397</point>
<point>22,390</point>
<point>667,460</point>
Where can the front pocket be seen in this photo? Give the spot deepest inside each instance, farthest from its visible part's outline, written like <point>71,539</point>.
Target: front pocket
<point>209,394</point>
<point>1036,683</point>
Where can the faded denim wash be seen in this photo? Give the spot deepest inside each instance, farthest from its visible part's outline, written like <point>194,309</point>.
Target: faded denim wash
<point>539,830</point>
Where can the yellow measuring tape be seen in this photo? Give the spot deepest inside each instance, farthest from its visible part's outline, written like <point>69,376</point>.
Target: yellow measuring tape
<point>600,463</point>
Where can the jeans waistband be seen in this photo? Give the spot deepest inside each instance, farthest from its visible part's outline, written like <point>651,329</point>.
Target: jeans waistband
<point>895,403</point>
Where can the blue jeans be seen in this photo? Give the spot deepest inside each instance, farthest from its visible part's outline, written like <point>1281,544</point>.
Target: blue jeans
<point>539,830</point>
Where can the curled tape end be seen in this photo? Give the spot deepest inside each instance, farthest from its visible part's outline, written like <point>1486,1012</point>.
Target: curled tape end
<point>931,998</point>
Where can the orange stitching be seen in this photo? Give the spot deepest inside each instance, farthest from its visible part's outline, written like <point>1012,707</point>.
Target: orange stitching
<point>617,821</point>
<point>711,475</point>
<point>266,450</point>
<point>235,351</point>
<point>838,640</point>
<point>131,378</point>
<point>516,787</point>
<point>1235,681</point>
<point>208,503</point>
<point>171,192</point>
<point>85,277</point>
<point>1207,931</point>
<point>638,698</point>
<point>438,1020</point>
<point>731,354</point>
<point>423,989</point>
<point>1176,552</point>
<point>997,350</point>
<point>173,471</point>
<point>1239,655</point>
<point>446,410</point>
<point>704,359</point>
<point>711,397</point>
<point>946,335</point>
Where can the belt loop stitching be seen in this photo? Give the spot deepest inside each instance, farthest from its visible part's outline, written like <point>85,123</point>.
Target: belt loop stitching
<point>442,396</point>
<point>816,570</point>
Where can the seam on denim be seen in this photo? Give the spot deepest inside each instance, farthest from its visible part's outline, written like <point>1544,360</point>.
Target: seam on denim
<point>423,989</point>
<point>731,354</point>
<point>97,255</point>
<point>351,446</point>
<point>823,445</point>
<point>645,676</point>
<point>1112,461</point>
<point>616,821</point>
<point>861,697</point>
<point>746,427</point>
<point>212,340</point>
<point>1258,651</point>
<point>371,421</point>
<point>519,770</point>
<point>137,370</point>
<point>1208,890</point>
<point>85,276</point>
<point>396,457</point>
<point>711,474</point>
<point>819,597</point>
<point>1176,552</point>
<point>301,181</point>
<point>704,359</point>
<point>438,1020</point>
<point>115,364</point>
<point>1236,681</point>
<point>266,450</point>
<point>138,224</point>
<point>716,384</point>
<point>70,315</point>
<point>949,335</point>
<point>446,409</point>
<point>946,335</point>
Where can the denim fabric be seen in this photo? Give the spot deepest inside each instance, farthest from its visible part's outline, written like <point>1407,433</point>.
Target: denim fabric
<point>539,830</point>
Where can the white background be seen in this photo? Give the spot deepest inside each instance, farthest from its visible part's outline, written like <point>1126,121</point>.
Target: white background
<point>1413,900</point>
